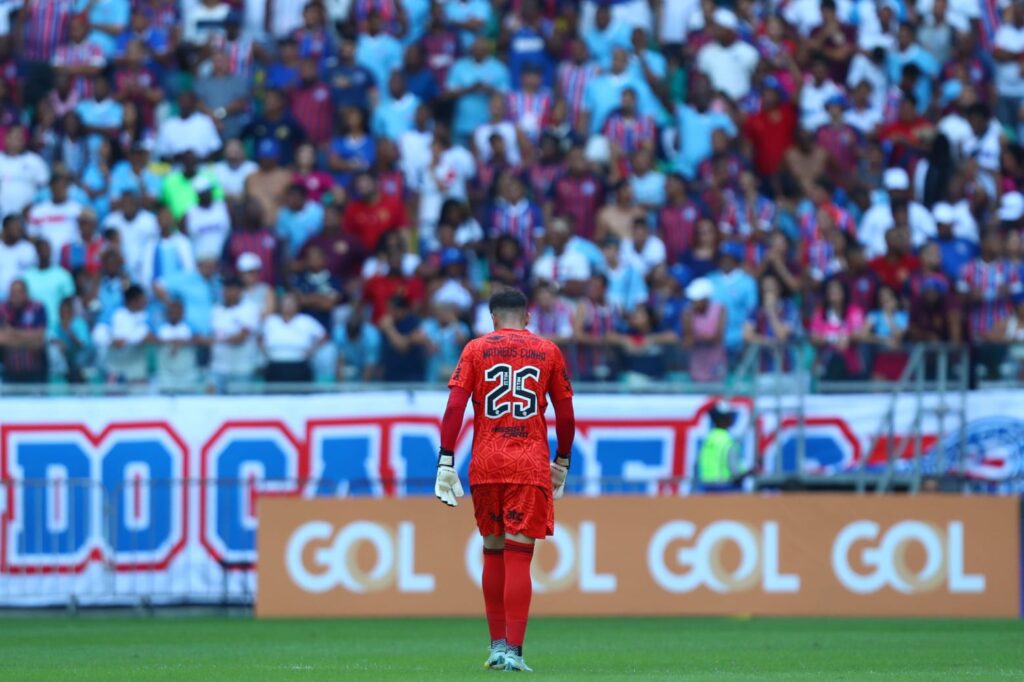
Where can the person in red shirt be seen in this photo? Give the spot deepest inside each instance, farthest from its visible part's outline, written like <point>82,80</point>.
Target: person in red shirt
<point>909,135</point>
<point>772,130</point>
<point>579,194</point>
<point>370,213</point>
<point>894,268</point>
<point>509,374</point>
<point>380,289</point>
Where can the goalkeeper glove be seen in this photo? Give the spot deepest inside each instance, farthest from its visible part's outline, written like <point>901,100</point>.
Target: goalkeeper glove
<point>559,470</point>
<point>448,486</point>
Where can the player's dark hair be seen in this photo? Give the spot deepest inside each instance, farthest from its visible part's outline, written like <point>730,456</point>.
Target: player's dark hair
<point>508,301</point>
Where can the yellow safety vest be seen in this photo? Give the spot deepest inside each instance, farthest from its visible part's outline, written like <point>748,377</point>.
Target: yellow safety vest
<point>713,459</point>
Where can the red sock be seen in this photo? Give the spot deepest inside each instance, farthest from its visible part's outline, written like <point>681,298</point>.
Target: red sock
<point>494,592</point>
<point>518,590</point>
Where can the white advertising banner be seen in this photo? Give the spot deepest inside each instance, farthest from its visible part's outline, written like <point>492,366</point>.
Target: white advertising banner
<point>108,500</point>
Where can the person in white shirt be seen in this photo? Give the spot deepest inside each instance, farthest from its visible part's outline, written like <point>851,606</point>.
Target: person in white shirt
<point>567,268</point>
<point>208,223</point>
<point>234,354</point>
<point>189,131</point>
<point>985,140</point>
<point>879,218</point>
<point>22,173</point>
<point>232,172</point>
<point>1009,78</point>
<point>498,125</point>
<point>674,19</point>
<point>137,229</point>
<point>445,177</point>
<point>870,66</point>
<point>645,249</point>
<point>414,146</point>
<point>176,368</point>
<point>56,220</point>
<point>17,255</point>
<point>861,113</point>
<point>290,339</point>
<point>729,63</point>
<point>130,333</point>
<point>817,90</point>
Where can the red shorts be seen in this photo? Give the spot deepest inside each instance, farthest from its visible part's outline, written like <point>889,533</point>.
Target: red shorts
<point>514,509</point>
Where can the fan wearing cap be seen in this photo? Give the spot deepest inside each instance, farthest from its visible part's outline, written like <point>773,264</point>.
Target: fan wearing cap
<point>955,251</point>
<point>879,218</point>
<point>736,291</point>
<point>728,61</point>
<point>704,324</point>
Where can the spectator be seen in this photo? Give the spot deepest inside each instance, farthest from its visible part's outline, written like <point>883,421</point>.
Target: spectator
<point>497,124</point>
<point>317,183</point>
<point>515,215</point>
<point>988,284</point>
<point>83,254</point>
<point>79,58</point>
<point>290,339</point>
<point>885,326</point>
<point>23,173</point>
<point>232,172</point>
<point>930,320</point>
<point>135,175</point>
<point>644,249</point>
<point>344,253</point>
<point>176,356</point>
<point>377,51</point>
<point>352,151</point>
<point>567,268</point>
<point>196,290</point>
<point>894,268</point>
<point>550,316</point>
<point>696,121</point>
<point>234,356</point>
<point>168,255</point>
<point>836,329</point>
<point>604,93</point>
<point>265,188</point>
<point>189,131</point>
<point>352,85</point>
<point>452,287</point>
<point>22,337</point>
<point>70,350</point>
<point>677,220</point>
<point>643,348</point>
<point>207,223</point>
<point>224,97</point>
<point>370,214</point>
<point>728,62</point>
<point>771,130</point>
<point>17,254</point>
<point>392,245</point>
<point>318,290</point>
<point>180,190</point>
<point>274,132</point>
<point>48,284</point>
<point>136,228</point>
<point>359,347</point>
<point>593,332</point>
<point>880,217</point>
<point>703,325</point>
<point>299,220</point>
<point>617,219</point>
<point>130,334</point>
<point>395,116</point>
<point>471,80</point>
<point>625,272</point>
<point>447,335</point>
<point>578,194</point>
<point>736,291</point>
<point>381,290</point>
<point>405,344</point>
<point>1008,45</point>
<point>776,322</point>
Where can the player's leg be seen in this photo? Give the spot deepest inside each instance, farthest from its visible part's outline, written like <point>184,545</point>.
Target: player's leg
<point>487,500</point>
<point>529,516</point>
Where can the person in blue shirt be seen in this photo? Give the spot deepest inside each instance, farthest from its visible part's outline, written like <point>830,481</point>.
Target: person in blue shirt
<point>298,219</point>
<point>471,82</point>
<point>359,346</point>
<point>604,93</point>
<point>469,16</point>
<point>133,174</point>
<point>447,335</point>
<point>353,150</point>
<point>417,15</point>
<point>419,78</point>
<point>695,121</point>
<point>605,36</point>
<point>378,52</point>
<point>275,123</point>
<point>102,115</point>
<point>107,19</point>
<point>955,251</point>
<point>283,72</point>
<point>351,84</point>
<point>396,113</point>
<point>908,51</point>
<point>199,290</point>
<point>736,291</point>
<point>531,44</point>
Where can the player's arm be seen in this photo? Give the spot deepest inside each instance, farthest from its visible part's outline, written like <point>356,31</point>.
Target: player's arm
<point>447,486</point>
<point>560,391</point>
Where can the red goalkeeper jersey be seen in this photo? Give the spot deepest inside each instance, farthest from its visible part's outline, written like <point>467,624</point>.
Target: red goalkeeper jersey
<point>510,373</point>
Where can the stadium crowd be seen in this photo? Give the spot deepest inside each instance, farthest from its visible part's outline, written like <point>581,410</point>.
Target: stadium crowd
<point>201,192</point>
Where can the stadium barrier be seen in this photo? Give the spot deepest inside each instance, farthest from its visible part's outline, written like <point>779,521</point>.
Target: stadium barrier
<point>154,499</point>
<point>821,555</point>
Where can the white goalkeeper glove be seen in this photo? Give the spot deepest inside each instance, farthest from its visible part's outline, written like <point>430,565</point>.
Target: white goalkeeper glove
<point>448,486</point>
<point>559,470</point>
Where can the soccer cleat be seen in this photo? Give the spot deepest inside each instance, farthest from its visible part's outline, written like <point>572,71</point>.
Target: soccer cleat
<point>514,663</point>
<point>496,661</point>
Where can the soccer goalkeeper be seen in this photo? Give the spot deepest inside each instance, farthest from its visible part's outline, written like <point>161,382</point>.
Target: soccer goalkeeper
<point>509,373</point>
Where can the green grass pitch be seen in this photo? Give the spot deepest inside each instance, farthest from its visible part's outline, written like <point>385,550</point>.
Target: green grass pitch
<point>173,647</point>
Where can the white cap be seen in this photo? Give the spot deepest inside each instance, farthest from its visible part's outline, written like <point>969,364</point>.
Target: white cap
<point>248,262</point>
<point>943,213</point>
<point>700,289</point>
<point>896,179</point>
<point>1011,206</point>
<point>724,18</point>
